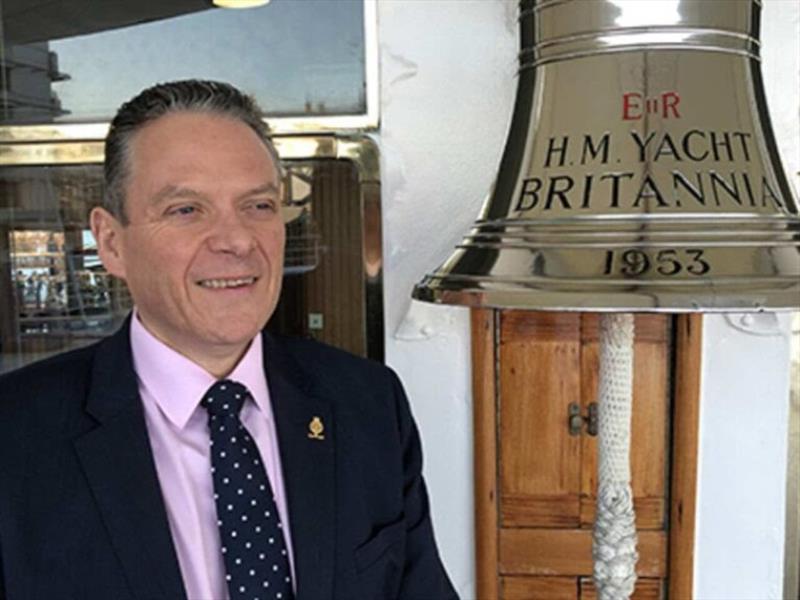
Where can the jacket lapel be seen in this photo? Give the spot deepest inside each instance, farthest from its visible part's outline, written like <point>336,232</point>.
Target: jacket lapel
<point>118,462</point>
<point>307,458</point>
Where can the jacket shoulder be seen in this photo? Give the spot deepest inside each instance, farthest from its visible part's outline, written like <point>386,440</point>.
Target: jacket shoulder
<point>52,377</point>
<point>328,367</point>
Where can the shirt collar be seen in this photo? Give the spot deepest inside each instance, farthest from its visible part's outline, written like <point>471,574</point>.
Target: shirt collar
<point>178,384</point>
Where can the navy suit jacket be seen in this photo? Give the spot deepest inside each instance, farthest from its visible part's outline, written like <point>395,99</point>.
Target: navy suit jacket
<point>81,511</point>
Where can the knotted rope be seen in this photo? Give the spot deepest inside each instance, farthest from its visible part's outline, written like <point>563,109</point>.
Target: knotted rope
<point>614,548</point>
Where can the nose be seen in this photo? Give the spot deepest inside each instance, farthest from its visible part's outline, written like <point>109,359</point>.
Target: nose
<point>230,234</point>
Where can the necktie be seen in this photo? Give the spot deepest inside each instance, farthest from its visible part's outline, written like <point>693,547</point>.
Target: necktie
<point>251,535</point>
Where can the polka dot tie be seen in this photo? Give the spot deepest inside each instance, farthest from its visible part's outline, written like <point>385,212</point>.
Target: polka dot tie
<point>251,535</point>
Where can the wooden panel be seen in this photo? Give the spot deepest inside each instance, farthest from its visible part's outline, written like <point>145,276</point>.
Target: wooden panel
<point>650,512</point>
<point>646,589</point>
<point>590,361</point>
<point>539,378</point>
<point>570,588</point>
<point>557,511</point>
<point>538,357</point>
<point>485,453</point>
<point>650,419</point>
<point>569,552</point>
<point>684,455</point>
<point>335,289</point>
<point>544,588</point>
<point>8,297</point>
<point>530,326</point>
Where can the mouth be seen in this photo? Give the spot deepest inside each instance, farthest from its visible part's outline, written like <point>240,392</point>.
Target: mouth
<point>227,283</point>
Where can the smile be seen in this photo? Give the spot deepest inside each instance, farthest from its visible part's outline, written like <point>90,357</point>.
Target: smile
<point>227,283</point>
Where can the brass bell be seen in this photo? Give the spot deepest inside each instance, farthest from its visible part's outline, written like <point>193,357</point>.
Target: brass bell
<point>640,171</point>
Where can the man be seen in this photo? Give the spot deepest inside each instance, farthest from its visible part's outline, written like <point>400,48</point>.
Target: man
<point>189,454</point>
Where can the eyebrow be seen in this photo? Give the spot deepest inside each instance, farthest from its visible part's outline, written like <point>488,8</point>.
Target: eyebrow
<point>170,191</point>
<point>267,188</point>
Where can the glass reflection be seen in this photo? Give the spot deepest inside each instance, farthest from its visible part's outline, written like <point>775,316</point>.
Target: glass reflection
<point>77,61</point>
<point>55,294</point>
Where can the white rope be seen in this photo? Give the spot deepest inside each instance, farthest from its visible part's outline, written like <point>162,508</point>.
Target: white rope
<point>614,548</point>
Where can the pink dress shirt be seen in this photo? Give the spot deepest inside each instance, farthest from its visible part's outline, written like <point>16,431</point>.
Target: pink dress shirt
<point>171,387</point>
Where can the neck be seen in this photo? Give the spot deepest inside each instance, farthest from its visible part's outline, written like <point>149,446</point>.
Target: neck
<point>218,360</point>
<point>219,366</point>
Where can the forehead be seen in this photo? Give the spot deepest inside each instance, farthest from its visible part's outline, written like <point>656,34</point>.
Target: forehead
<point>201,139</point>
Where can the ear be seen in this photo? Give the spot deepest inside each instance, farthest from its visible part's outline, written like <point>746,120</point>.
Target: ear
<point>107,232</point>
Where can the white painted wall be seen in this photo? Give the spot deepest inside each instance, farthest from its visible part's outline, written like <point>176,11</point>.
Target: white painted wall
<point>447,87</point>
<point>742,464</point>
<point>744,408</point>
<point>448,73</point>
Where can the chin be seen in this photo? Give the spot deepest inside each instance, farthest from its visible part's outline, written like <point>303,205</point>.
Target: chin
<point>235,336</point>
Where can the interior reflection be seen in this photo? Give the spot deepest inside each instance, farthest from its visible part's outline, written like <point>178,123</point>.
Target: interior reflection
<point>57,296</point>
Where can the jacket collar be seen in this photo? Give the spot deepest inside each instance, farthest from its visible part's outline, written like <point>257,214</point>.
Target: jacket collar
<point>119,465</point>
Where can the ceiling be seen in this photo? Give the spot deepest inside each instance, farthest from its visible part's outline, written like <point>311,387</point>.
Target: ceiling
<point>26,21</point>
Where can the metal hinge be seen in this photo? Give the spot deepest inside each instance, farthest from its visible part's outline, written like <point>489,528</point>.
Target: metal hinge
<point>576,419</point>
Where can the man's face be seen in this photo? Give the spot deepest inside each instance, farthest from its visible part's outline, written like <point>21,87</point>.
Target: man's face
<point>202,252</point>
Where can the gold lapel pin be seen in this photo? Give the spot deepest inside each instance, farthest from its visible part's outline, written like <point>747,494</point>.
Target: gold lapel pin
<point>315,429</point>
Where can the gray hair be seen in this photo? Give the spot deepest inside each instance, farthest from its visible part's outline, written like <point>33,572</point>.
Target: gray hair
<point>189,95</point>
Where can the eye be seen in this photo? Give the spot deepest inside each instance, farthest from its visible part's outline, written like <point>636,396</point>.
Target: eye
<point>183,210</point>
<point>262,207</point>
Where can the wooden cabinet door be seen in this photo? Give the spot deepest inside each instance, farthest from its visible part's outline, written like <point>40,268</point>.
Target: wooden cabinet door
<point>540,462</point>
<point>545,476</point>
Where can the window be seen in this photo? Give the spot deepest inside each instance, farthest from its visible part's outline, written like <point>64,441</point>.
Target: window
<point>77,60</point>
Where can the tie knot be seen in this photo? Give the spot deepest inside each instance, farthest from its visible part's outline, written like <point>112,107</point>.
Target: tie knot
<point>225,398</point>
